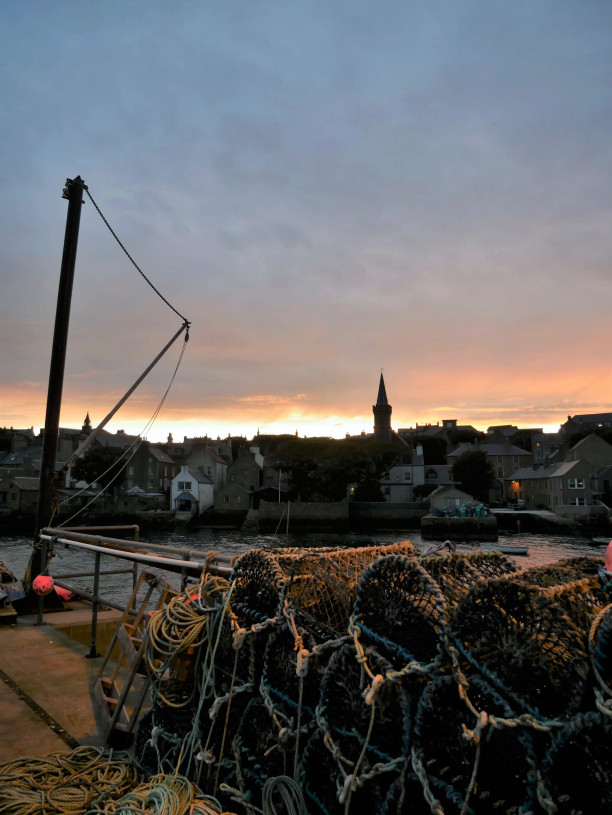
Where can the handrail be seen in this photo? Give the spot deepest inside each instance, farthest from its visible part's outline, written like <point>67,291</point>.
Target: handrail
<point>156,560</point>
<point>135,552</point>
<point>120,543</point>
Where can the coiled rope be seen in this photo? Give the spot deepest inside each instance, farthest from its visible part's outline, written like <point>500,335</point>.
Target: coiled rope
<point>64,783</point>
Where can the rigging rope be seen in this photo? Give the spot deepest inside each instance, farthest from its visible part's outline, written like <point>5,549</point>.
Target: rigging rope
<point>136,445</point>
<point>136,266</point>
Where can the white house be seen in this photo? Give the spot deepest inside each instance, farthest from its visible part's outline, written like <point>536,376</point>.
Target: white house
<point>397,485</point>
<point>191,492</point>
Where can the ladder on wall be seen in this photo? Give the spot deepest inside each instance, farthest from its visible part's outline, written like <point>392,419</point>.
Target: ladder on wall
<point>119,689</point>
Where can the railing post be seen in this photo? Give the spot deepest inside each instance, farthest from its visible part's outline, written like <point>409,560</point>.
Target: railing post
<point>184,575</point>
<point>41,599</point>
<point>94,610</point>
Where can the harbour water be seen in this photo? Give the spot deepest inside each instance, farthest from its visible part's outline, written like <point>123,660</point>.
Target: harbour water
<point>15,551</point>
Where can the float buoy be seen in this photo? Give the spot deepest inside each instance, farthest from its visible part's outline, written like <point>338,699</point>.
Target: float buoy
<point>43,583</point>
<point>65,594</point>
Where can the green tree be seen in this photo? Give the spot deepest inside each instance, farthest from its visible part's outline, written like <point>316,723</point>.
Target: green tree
<point>434,449</point>
<point>103,465</point>
<point>474,472</point>
<point>320,469</point>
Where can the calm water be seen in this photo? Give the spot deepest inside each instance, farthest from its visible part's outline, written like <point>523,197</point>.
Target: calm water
<point>15,551</point>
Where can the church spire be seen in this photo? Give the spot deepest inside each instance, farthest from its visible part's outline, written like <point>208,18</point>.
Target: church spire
<point>382,414</point>
<point>382,393</point>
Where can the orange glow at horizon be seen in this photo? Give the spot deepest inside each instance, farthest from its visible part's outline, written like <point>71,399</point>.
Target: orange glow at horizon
<point>24,406</point>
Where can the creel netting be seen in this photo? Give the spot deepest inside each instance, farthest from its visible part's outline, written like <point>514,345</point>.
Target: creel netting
<point>523,641</point>
<point>400,609</point>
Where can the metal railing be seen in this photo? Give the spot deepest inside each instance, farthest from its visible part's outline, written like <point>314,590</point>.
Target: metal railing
<point>178,560</point>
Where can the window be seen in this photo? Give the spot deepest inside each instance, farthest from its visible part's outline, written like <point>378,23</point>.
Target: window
<point>432,475</point>
<point>226,499</point>
<point>500,471</point>
<point>130,471</point>
<point>130,483</point>
<point>209,471</point>
<point>579,502</point>
<point>500,459</point>
<point>515,459</point>
<point>233,477</point>
<point>237,499</point>
<point>2,498</point>
<point>515,468</point>
<point>184,485</point>
<point>575,483</point>
<point>408,477</point>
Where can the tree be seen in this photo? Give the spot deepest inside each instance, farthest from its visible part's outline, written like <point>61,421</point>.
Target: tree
<point>320,469</point>
<point>474,472</point>
<point>434,449</point>
<point>104,465</point>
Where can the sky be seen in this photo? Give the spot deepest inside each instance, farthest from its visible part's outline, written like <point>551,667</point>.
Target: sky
<point>324,190</point>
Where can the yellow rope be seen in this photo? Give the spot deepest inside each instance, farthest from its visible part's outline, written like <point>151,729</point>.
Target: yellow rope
<point>63,783</point>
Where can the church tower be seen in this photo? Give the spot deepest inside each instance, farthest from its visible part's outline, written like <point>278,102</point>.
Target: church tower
<point>382,415</point>
<point>86,429</point>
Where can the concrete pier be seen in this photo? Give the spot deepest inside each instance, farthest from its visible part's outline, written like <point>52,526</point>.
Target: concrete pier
<point>45,675</point>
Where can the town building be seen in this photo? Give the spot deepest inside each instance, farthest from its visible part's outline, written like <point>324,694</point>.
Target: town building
<point>191,492</point>
<point>573,487</point>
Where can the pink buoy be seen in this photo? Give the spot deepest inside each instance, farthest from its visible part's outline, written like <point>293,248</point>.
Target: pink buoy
<point>64,594</point>
<point>608,566</point>
<point>43,583</point>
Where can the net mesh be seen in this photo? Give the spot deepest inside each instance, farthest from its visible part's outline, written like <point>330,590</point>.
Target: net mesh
<point>456,573</point>
<point>577,768</point>
<point>384,727</point>
<point>505,761</point>
<point>455,640</point>
<point>522,639</point>
<point>600,649</point>
<point>400,609</point>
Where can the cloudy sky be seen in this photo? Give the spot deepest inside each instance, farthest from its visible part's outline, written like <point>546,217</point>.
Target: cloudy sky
<point>324,189</point>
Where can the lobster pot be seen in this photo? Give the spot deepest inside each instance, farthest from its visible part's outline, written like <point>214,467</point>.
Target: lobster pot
<point>523,642</point>
<point>280,678</point>
<point>322,780</point>
<point>218,734</point>
<point>405,797</point>
<point>600,647</point>
<point>577,768</point>
<point>161,730</point>
<point>321,583</point>
<point>456,573</point>
<point>257,586</point>
<point>383,728</point>
<point>260,753</point>
<point>400,610</point>
<point>575,585</point>
<point>506,764</point>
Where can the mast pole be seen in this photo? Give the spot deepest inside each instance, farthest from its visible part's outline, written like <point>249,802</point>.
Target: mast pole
<point>73,191</point>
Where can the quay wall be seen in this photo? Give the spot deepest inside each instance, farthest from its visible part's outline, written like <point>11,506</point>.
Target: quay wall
<point>329,515</point>
<point>337,516</point>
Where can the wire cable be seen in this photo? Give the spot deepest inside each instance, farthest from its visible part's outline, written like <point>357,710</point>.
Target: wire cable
<point>133,262</point>
<point>136,444</point>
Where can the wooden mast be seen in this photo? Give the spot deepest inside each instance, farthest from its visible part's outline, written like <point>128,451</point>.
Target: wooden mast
<point>73,191</point>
